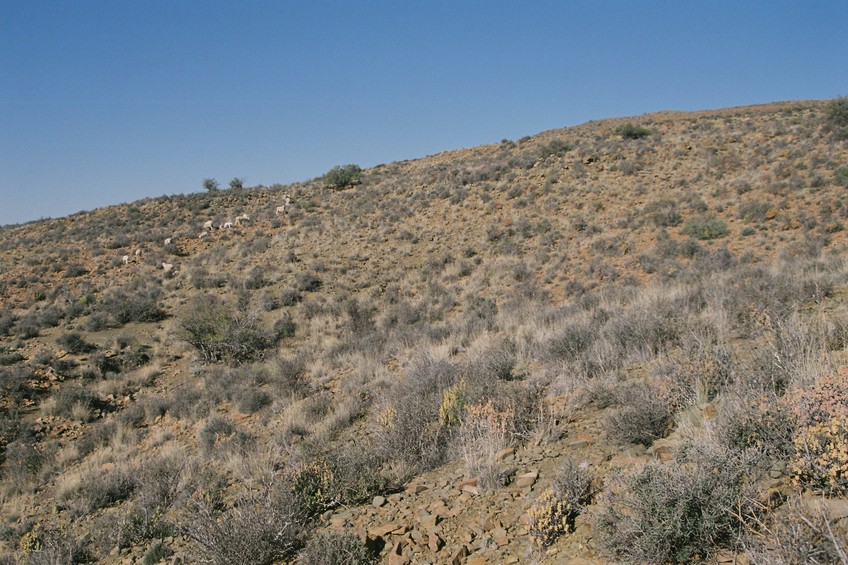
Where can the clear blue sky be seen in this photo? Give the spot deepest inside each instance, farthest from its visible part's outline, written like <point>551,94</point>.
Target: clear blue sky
<point>108,101</point>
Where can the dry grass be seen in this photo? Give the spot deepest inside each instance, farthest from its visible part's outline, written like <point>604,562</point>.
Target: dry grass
<point>505,295</point>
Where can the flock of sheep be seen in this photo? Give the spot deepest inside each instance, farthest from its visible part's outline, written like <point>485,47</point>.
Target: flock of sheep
<point>208,227</point>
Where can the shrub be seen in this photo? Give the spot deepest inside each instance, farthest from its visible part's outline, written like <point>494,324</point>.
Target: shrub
<point>202,278</point>
<point>754,210</point>
<point>210,185</point>
<point>74,402</point>
<point>51,544</point>
<point>216,429</point>
<point>795,533</point>
<point>644,415</point>
<point>556,509</point>
<point>15,382</point>
<point>75,270</point>
<point>236,183</point>
<point>453,403</point>
<point>23,463</point>
<point>570,341</point>
<point>841,176</point>
<point>284,327</point>
<point>138,302</point>
<point>313,486</point>
<point>7,321</point>
<point>548,518</point>
<point>706,226</point>
<point>409,431</point>
<point>759,421</point>
<point>105,489</point>
<point>307,282</point>
<point>156,553</point>
<point>483,433</point>
<point>262,525</point>
<point>74,343</point>
<point>289,376</point>
<point>554,147</point>
<point>679,511</point>
<point>354,478</point>
<point>663,213</point>
<point>342,176</point>
<point>821,457</point>
<point>332,548</point>
<point>223,334</point>
<point>10,358</point>
<point>698,375</point>
<point>631,131</point>
<point>837,116</point>
<point>290,297</point>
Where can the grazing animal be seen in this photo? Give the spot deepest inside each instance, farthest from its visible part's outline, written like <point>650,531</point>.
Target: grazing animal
<point>226,225</point>
<point>126,259</point>
<point>204,234</point>
<point>242,218</point>
<point>208,225</point>
<point>138,252</point>
<point>168,241</point>
<point>167,267</point>
<point>284,209</point>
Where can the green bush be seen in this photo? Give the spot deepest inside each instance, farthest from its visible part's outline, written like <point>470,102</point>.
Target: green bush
<point>706,226</point>
<point>138,302</point>
<point>554,147</point>
<point>837,116</point>
<point>211,185</point>
<point>342,176</point>
<point>841,176</point>
<point>221,333</point>
<point>631,131</point>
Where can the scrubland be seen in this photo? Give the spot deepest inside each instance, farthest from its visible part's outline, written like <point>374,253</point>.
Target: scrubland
<point>623,341</point>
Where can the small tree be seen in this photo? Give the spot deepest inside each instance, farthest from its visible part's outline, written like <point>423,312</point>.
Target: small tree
<point>224,334</point>
<point>342,176</point>
<point>210,184</point>
<point>837,116</point>
<point>236,183</point>
<point>630,131</point>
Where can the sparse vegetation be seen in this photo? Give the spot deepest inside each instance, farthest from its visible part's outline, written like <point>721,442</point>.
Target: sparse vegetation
<point>435,351</point>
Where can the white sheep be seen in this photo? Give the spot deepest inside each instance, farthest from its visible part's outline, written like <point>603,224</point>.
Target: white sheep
<point>226,225</point>
<point>169,240</point>
<point>138,253</point>
<point>208,225</point>
<point>280,210</point>
<point>242,218</point>
<point>167,267</point>
<point>126,259</point>
<point>202,235</point>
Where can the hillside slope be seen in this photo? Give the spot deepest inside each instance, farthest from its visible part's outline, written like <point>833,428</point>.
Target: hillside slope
<point>621,341</point>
